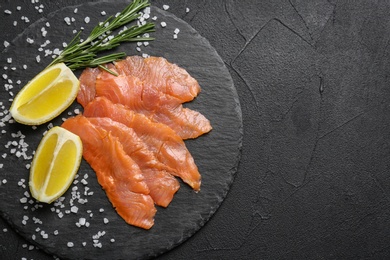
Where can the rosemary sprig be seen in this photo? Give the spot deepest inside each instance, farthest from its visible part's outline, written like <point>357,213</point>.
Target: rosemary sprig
<point>80,54</point>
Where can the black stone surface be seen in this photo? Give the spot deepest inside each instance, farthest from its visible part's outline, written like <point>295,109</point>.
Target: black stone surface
<point>216,154</point>
<point>313,82</point>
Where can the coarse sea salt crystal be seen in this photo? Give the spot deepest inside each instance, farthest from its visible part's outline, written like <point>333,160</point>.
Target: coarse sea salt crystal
<point>74,209</point>
<point>163,24</point>
<point>165,7</point>
<point>87,19</point>
<point>70,244</point>
<point>6,44</point>
<point>67,20</point>
<point>7,12</point>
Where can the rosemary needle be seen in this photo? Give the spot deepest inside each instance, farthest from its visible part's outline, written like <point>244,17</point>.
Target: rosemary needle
<point>81,54</point>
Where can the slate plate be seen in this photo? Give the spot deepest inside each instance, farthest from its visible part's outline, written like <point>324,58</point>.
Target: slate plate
<point>53,227</point>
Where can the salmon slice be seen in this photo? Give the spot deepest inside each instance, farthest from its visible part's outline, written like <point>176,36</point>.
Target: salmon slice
<point>117,173</point>
<point>166,145</point>
<point>162,75</point>
<point>87,90</point>
<point>160,107</point>
<point>161,183</point>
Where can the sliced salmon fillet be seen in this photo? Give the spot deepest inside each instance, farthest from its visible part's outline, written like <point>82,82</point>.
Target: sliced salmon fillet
<point>162,75</point>
<point>161,183</point>
<point>160,107</point>
<point>117,173</point>
<point>166,145</point>
<point>87,90</point>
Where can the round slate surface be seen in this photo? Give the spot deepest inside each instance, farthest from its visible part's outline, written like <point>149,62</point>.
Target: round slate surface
<point>106,236</point>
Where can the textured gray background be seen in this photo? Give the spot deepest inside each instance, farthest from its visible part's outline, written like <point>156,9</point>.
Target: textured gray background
<point>313,81</point>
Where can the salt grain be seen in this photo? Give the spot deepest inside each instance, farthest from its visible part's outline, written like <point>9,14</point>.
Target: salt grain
<point>165,7</point>
<point>6,44</point>
<point>163,24</point>
<point>67,20</point>
<point>87,19</point>
<point>70,244</point>
<point>7,12</point>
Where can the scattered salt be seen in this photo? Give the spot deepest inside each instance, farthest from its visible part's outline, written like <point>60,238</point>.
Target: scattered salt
<point>87,19</point>
<point>165,7</point>
<point>7,12</point>
<point>187,10</point>
<point>70,244</point>
<point>163,24</point>
<point>103,13</point>
<point>6,44</point>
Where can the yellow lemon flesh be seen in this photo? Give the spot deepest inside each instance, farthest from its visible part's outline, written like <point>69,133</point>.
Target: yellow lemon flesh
<point>45,96</point>
<point>55,163</point>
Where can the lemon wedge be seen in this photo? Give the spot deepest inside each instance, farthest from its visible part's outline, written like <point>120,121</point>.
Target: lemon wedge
<point>55,163</point>
<point>45,96</point>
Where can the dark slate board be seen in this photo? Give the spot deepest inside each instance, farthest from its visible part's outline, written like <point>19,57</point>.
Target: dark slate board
<point>217,154</point>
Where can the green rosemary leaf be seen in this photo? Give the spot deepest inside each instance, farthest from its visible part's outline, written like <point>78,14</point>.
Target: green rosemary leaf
<point>80,54</point>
